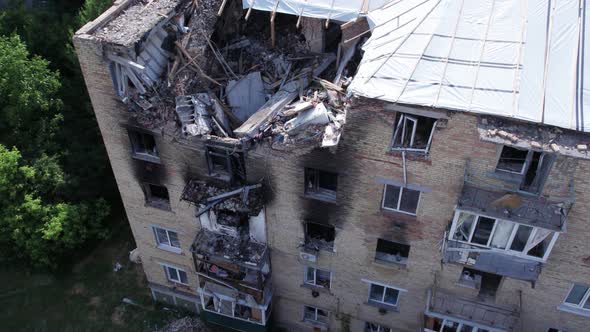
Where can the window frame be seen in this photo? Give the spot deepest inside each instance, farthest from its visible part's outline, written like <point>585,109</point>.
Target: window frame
<point>380,328</point>
<point>314,282</point>
<point>315,320</point>
<point>402,262</point>
<point>585,298</point>
<point>381,303</point>
<point>166,246</point>
<point>167,268</point>
<point>401,125</point>
<point>399,199</point>
<point>137,135</point>
<point>510,242</point>
<point>318,192</point>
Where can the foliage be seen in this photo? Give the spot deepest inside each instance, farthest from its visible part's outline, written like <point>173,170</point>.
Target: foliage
<point>29,105</point>
<point>35,227</point>
<point>91,10</point>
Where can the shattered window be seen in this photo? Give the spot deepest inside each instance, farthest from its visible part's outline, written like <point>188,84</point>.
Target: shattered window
<point>157,196</point>
<point>225,164</point>
<point>317,277</point>
<point>176,275</point>
<point>400,199</point>
<point>379,294</point>
<point>319,236</point>
<point>143,144</point>
<point>166,237</point>
<point>316,315</point>
<point>413,133</point>
<point>392,252</point>
<point>512,160</point>
<point>370,327</point>
<point>321,184</point>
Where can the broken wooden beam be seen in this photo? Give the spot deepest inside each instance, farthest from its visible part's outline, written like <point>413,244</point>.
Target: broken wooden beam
<point>125,62</point>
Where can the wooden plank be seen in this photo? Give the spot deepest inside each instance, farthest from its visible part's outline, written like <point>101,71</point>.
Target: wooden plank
<point>249,10</point>
<point>221,8</point>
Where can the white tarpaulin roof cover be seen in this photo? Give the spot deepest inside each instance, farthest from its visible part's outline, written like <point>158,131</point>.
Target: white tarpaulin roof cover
<point>511,58</point>
<point>336,10</point>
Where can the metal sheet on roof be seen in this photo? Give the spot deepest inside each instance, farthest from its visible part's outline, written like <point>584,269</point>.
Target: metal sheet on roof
<point>337,10</point>
<point>522,59</point>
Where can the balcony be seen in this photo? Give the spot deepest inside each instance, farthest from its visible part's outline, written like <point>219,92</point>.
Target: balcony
<point>235,262</point>
<point>446,311</point>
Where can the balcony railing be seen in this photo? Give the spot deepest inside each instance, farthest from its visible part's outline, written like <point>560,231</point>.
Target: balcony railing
<point>488,260</point>
<point>444,304</point>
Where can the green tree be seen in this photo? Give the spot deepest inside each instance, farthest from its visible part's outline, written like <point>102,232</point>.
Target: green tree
<point>34,224</point>
<point>91,10</point>
<point>29,105</point>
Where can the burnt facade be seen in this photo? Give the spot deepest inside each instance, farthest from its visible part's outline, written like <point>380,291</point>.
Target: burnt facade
<point>263,194</point>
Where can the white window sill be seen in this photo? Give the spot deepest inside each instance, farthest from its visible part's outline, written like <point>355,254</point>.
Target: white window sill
<point>320,197</point>
<point>146,157</point>
<point>391,265</point>
<point>390,210</point>
<point>574,310</point>
<point>169,248</point>
<point>321,325</point>
<point>385,306</point>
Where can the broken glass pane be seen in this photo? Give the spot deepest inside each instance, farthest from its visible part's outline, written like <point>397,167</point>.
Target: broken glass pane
<point>309,313</point>
<point>309,277</point>
<point>483,230</point>
<point>391,296</point>
<point>328,180</point>
<point>512,160</point>
<point>520,239</point>
<point>464,226</point>
<point>376,293</point>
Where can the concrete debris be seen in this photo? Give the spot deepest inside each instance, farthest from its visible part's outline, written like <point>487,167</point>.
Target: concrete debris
<point>582,147</point>
<point>247,200</point>
<point>536,145</point>
<point>186,324</point>
<point>220,78</point>
<point>554,147</point>
<point>240,249</point>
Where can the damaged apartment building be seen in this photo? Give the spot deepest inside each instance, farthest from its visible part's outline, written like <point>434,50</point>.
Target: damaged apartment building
<point>352,165</point>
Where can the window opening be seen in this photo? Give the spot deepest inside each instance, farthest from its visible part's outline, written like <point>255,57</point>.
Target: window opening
<point>176,275</point>
<point>379,294</point>
<point>319,236</point>
<point>400,199</point>
<point>392,252</point>
<point>225,164</point>
<point>512,160</point>
<point>487,283</point>
<point>315,315</point>
<point>317,277</point>
<point>321,184</point>
<point>157,196</point>
<point>578,297</point>
<point>143,144</point>
<point>413,133</point>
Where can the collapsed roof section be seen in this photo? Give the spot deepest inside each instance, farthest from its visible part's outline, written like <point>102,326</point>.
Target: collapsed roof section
<point>214,76</point>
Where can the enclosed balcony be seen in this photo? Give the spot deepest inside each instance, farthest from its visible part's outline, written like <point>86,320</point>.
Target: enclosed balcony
<point>448,312</point>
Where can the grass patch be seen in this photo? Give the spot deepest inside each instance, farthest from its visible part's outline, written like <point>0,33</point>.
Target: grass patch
<point>86,297</point>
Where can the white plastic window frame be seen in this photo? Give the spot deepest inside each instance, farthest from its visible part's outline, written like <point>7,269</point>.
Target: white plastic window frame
<point>167,268</point>
<point>385,287</point>
<point>402,126</point>
<point>314,281</point>
<point>315,319</point>
<point>399,200</point>
<point>166,246</point>
<point>506,250</point>
<point>585,298</point>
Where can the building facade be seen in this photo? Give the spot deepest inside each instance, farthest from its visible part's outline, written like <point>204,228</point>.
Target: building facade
<point>418,218</point>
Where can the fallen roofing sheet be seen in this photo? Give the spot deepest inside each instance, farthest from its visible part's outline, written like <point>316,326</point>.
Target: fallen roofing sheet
<point>337,10</point>
<point>516,59</point>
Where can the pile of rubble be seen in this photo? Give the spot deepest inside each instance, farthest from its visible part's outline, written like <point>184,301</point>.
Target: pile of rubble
<point>220,77</point>
<point>247,200</point>
<point>235,249</point>
<point>186,324</point>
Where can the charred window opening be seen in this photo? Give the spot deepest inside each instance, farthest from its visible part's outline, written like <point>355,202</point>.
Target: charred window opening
<point>512,160</point>
<point>392,252</point>
<point>319,236</point>
<point>533,166</point>
<point>231,219</point>
<point>317,277</point>
<point>157,196</point>
<point>225,164</point>
<point>413,133</point>
<point>143,145</point>
<point>487,283</point>
<point>321,184</point>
